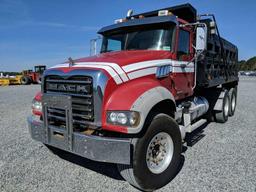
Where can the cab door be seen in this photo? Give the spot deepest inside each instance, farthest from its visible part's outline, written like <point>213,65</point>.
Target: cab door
<point>183,67</point>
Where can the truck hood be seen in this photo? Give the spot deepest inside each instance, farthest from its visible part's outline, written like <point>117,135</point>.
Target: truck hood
<point>122,65</point>
<point>123,58</point>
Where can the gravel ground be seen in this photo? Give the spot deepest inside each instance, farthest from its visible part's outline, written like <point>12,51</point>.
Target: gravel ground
<point>221,157</point>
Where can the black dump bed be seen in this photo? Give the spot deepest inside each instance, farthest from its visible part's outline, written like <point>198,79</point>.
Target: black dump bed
<point>219,65</point>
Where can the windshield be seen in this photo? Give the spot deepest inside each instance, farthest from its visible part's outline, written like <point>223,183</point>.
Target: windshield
<point>139,38</point>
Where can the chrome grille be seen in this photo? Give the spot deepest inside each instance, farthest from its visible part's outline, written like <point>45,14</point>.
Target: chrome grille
<point>80,88</point>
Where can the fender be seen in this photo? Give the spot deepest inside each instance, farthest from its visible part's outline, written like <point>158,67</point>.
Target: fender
<point>138,95</point>
<point>146,102</point>
<point>218,104</point>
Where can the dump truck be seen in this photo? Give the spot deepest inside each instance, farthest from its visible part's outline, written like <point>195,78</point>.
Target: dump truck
<point>159,76</point>
<point>30,76</point>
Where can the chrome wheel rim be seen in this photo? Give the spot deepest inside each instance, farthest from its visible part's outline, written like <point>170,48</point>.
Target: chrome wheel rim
<point>233,103</point>
<point>226,108</point>
<point>159,152</point>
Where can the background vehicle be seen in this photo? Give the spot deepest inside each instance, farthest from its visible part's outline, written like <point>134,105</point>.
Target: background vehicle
<point>160,75</point>
<point>29,76</point>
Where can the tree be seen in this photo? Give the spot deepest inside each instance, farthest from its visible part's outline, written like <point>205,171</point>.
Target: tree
<point>249,65</point>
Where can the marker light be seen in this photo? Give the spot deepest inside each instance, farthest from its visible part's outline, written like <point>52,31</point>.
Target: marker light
<point>118,21</point>
<point>163,13</point>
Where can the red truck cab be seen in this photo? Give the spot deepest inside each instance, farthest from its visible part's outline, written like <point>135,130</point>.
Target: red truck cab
<point>133,103</point>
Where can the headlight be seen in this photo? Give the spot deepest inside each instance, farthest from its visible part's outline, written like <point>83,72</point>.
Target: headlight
<point>112,117</point>
<point>125,118</point>
<point>37,107</point>
<point>122,118</point>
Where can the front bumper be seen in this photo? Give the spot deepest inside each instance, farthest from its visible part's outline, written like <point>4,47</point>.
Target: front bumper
<point>103,149</point>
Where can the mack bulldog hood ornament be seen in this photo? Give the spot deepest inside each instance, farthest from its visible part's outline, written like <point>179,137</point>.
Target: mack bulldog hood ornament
<point>71,62</point>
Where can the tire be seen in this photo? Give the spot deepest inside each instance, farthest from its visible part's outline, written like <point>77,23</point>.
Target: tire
<point>140,173</point>
<point>25,80</point>
<point>233,99</point>
<point>222,116</point>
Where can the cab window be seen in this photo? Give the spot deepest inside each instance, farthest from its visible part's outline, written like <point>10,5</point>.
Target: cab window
<point>183,43</point>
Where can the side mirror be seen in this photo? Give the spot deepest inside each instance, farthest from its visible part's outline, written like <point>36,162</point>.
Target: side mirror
<point>201,38</point>
<point>93,46</point>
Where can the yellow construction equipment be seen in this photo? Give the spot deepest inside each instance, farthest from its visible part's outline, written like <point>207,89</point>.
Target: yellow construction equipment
<point>5,81</point>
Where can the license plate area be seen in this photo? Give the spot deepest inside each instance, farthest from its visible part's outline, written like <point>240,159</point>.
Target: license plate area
<point>57,116</point>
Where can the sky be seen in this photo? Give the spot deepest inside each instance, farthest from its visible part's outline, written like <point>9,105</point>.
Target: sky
<point>48,32</point>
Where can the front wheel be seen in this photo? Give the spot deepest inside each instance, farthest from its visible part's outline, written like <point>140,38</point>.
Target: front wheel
<point>25,80</point>
<point>156,155</point>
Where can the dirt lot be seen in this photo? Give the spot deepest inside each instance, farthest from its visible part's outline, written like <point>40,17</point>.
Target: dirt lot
<point>221,157</point>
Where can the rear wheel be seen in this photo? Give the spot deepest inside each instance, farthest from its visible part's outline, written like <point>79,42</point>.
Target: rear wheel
<point>233,99</point>
<point>156,155</point>
<point>25,80</point>
<point>222,116</point>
